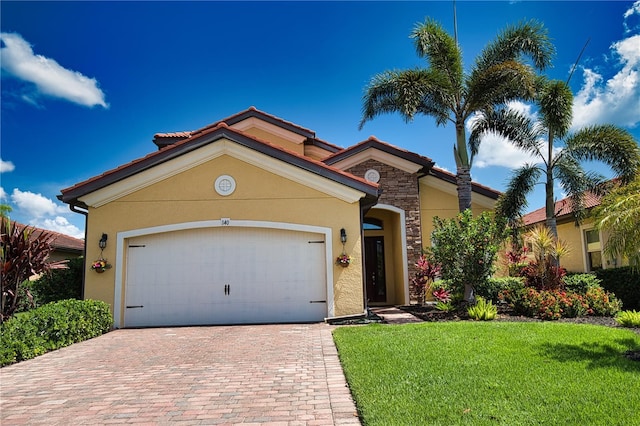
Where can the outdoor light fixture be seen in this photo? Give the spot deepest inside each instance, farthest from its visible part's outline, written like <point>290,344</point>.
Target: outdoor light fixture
<point>343,236</point>
<point>103,242</point>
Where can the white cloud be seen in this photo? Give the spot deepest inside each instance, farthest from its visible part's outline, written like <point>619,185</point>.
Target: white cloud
<point>50,78</point>
<point>3,194</point>
<point>613,99</point>
<point>35,205</point>
<point>59,224</point>
<point>633,10</point>
<point>6,166</point>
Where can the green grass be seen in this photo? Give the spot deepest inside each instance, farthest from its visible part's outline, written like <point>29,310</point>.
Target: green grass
<point>491,373</point>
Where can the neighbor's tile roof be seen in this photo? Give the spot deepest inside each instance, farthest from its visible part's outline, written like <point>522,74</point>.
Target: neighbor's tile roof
<point>60,241</point>
<point>562,208</point>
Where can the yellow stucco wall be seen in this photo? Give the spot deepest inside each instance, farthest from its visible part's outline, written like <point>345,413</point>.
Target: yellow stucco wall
<point>443,204</point>
<point>571,235</point>
<point>260,195</point>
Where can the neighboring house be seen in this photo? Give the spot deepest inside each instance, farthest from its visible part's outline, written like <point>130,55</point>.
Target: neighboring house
<point>585,243</point>
<point>242,222</point>
<point>63,247</point>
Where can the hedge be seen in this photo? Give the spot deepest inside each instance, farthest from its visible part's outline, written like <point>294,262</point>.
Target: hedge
<point>624,283</point>
<point>52,326</point>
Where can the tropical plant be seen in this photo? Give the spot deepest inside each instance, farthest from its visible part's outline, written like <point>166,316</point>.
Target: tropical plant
<point>425,274</point>
<point>23,253</point>
<point>619,215</point>
<point>544,272</point>
<point>5,209</point>
<point>606,143</point>
<point>466,247</point>
<point>446,92</point>
<point>482,310</point>
<point>628,318</point>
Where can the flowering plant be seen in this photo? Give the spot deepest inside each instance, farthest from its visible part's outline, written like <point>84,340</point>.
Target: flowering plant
<point>100,265</point>
<point>343,260</point>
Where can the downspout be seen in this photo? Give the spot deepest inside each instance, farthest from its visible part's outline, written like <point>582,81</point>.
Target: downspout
<point>74,208</point>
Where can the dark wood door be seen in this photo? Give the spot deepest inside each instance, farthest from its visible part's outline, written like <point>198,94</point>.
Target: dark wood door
<point>374,269</point>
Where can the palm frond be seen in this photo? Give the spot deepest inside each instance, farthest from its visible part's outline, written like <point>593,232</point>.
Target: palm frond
<point>526,39</point>
<point>433,43</point>
<point>510,124</point>
<point>406,92</point>
<point>608,144</point>
<point>556,107</point>
<point>513,201</point>
<point>499,84</point>
<point>576,182</point>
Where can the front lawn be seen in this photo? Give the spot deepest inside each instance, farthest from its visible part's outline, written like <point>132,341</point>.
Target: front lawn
<point>491,373</point>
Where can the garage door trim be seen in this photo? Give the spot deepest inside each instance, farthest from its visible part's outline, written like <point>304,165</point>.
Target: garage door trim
<point>118,308</point>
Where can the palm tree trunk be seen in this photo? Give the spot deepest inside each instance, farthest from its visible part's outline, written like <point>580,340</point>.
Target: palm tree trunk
<point>463,181</point>
<point>463,167</point>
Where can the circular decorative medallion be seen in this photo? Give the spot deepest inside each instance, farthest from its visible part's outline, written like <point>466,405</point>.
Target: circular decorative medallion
<point>372,175</point>
<point>225,185</point>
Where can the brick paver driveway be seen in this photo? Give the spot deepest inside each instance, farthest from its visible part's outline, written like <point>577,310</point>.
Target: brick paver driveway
<point>263,374</point>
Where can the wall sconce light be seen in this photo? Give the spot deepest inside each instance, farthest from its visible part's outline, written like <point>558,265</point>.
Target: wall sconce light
<point>343,236</point>
<point>103,242</point>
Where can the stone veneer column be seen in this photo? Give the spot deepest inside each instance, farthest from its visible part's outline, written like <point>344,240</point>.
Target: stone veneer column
<point>399,189</point>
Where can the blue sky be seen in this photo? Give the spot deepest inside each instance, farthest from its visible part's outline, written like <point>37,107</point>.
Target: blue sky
<point>86,85</point>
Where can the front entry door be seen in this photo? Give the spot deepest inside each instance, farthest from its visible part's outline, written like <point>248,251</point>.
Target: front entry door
<point>374,267</point>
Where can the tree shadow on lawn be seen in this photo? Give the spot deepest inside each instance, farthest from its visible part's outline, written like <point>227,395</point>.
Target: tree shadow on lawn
<point>598,355</point>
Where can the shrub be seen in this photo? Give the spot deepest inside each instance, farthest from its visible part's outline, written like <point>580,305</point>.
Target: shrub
<point>50,327</point>
<point>580,283</point>
<point>556,304</point>
<point>602,303</point>
<point>59,284</point>
<point>624,283</point>
<point>466,248</point>
<point>425,274</point>
<point>483,310</point>
<point>628,318</point>
<point>492,287</point>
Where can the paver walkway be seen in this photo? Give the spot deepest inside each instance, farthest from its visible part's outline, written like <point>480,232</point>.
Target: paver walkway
<point>264,374</point>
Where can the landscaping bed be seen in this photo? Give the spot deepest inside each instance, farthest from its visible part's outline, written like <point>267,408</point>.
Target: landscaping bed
<point>431,314</point>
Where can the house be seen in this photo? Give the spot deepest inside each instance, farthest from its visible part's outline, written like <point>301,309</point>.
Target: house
<point>63,246</point>
<point>242,222</point>
<point>584,241</point>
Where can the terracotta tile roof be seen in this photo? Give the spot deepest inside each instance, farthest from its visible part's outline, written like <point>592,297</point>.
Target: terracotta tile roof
<point>180,135</point>
<point>562,209</point>
<point>373,142</point>
<point>60,241</point>
<point>222,130</point>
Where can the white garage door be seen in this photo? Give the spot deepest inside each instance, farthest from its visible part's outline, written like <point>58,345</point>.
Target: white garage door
<point>225,275</point>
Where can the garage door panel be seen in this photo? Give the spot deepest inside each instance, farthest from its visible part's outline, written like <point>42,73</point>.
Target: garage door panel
<point>180,277</point>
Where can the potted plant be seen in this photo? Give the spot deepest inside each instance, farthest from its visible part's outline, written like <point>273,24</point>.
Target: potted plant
<point>100,265</point>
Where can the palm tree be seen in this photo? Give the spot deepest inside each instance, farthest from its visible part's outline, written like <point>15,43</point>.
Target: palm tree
<point>446,92</point>
<point>607,143</point>
<point>619,214</point>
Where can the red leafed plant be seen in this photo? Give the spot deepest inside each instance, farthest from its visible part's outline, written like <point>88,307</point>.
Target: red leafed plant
<point>23,253</point>
<point>424,277</point>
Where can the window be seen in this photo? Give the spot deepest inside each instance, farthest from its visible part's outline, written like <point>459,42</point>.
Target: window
<point>372,224</point>
<point>594,249</point>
